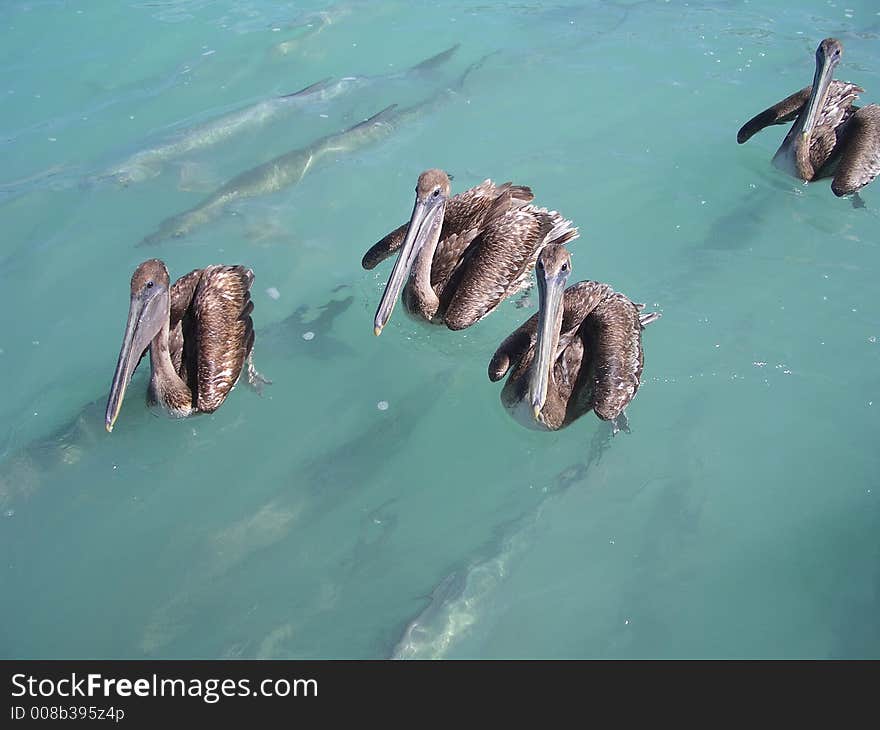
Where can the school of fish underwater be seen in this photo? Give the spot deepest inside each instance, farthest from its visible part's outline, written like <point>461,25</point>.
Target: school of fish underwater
<point>385,329</point>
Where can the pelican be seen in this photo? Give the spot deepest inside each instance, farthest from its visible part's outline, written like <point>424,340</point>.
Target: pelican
<point>199,334</point>
<point>830,137</point>
<point>462,256</point>
<point>582,351</point>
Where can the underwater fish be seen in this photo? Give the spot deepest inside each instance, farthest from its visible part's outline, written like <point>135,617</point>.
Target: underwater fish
<point>276,174</point>
<point>288,169</point>
<point>148,163</point>
<point>312,25</point>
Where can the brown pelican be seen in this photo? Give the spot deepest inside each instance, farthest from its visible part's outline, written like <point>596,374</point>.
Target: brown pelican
<point>830,137</point>
<point>462,256</point>
<point>199,333</point>
<point>582,351</point>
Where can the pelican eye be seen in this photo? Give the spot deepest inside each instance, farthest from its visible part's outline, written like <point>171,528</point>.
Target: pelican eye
<point>436,192</point>
<point>564,267</point>
<point>150,284</point>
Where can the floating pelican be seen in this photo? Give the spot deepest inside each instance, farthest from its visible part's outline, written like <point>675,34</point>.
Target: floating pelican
<point>199,334</point>
<point>582,351</point>
<point>830,137</point>
<point>462,256</point>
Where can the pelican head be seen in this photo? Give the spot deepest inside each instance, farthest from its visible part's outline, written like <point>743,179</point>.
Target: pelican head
<point>828,55</point>
<point>830,50</point>
<point>552,271</point>
<point>148,313</point>
<point>432,192</point>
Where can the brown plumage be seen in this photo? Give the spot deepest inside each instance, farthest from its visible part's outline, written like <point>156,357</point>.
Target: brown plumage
<point>830,137</point>
<point>199,334</point>
<point>582,351</point>
<point>461,256</point>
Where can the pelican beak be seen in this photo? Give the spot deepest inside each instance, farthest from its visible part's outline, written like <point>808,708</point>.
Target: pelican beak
<point>821,82</point>
<point>424,227</point>
<point>551,295</point>
<point>145,321</point>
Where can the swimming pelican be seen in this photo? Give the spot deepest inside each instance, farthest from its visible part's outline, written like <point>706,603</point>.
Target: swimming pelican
<point>582,351</point>
<point>199,334</point>
<point>462,256</point>
<point>830,137</point>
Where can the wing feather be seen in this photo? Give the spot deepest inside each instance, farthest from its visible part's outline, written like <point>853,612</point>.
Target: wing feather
<point>387,246</point>
<point>182,292</point>
<point>223,332</point>
<point>500,260</point>
<point>860,161</point>
<point>781,112</point>
<point>612,336</point>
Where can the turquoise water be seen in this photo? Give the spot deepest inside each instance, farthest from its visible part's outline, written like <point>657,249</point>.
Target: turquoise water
<point>740,518</point>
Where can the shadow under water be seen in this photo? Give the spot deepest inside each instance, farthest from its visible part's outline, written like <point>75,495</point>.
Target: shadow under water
<point>453,605</point>
<point>330,481</point>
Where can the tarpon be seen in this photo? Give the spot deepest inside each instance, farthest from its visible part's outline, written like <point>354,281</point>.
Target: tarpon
<point>310,27</point>
<point>148,163</point>
<point>279,172</point>
<point>289,168</point>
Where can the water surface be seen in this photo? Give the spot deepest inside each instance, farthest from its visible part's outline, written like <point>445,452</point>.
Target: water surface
<point>738,519</point>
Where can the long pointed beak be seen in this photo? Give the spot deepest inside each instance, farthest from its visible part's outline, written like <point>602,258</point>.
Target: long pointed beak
<point>821,82</point>
<point>143,324</point>
<point>426,219</point>
<point>551,291</point>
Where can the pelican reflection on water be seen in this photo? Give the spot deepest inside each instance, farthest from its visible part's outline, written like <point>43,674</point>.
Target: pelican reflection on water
<point>459,257</point>
<point>199,334</point>
<point>582,351</point>
<point>830,137</point>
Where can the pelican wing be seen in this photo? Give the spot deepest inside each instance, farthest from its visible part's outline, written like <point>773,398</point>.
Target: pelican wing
<point>514,347</point>
<point>466,215</point>
<point>500,260</point>
<point>484,201</point>
<point>384,248</point>
<point>860,161</point>
<point>612,335</point>
<point>581,300</point>
<point>448,257</point>
<point>838,106</point>
<point>780,113</point>
<point>218,333</point>
<point>182,292</point>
